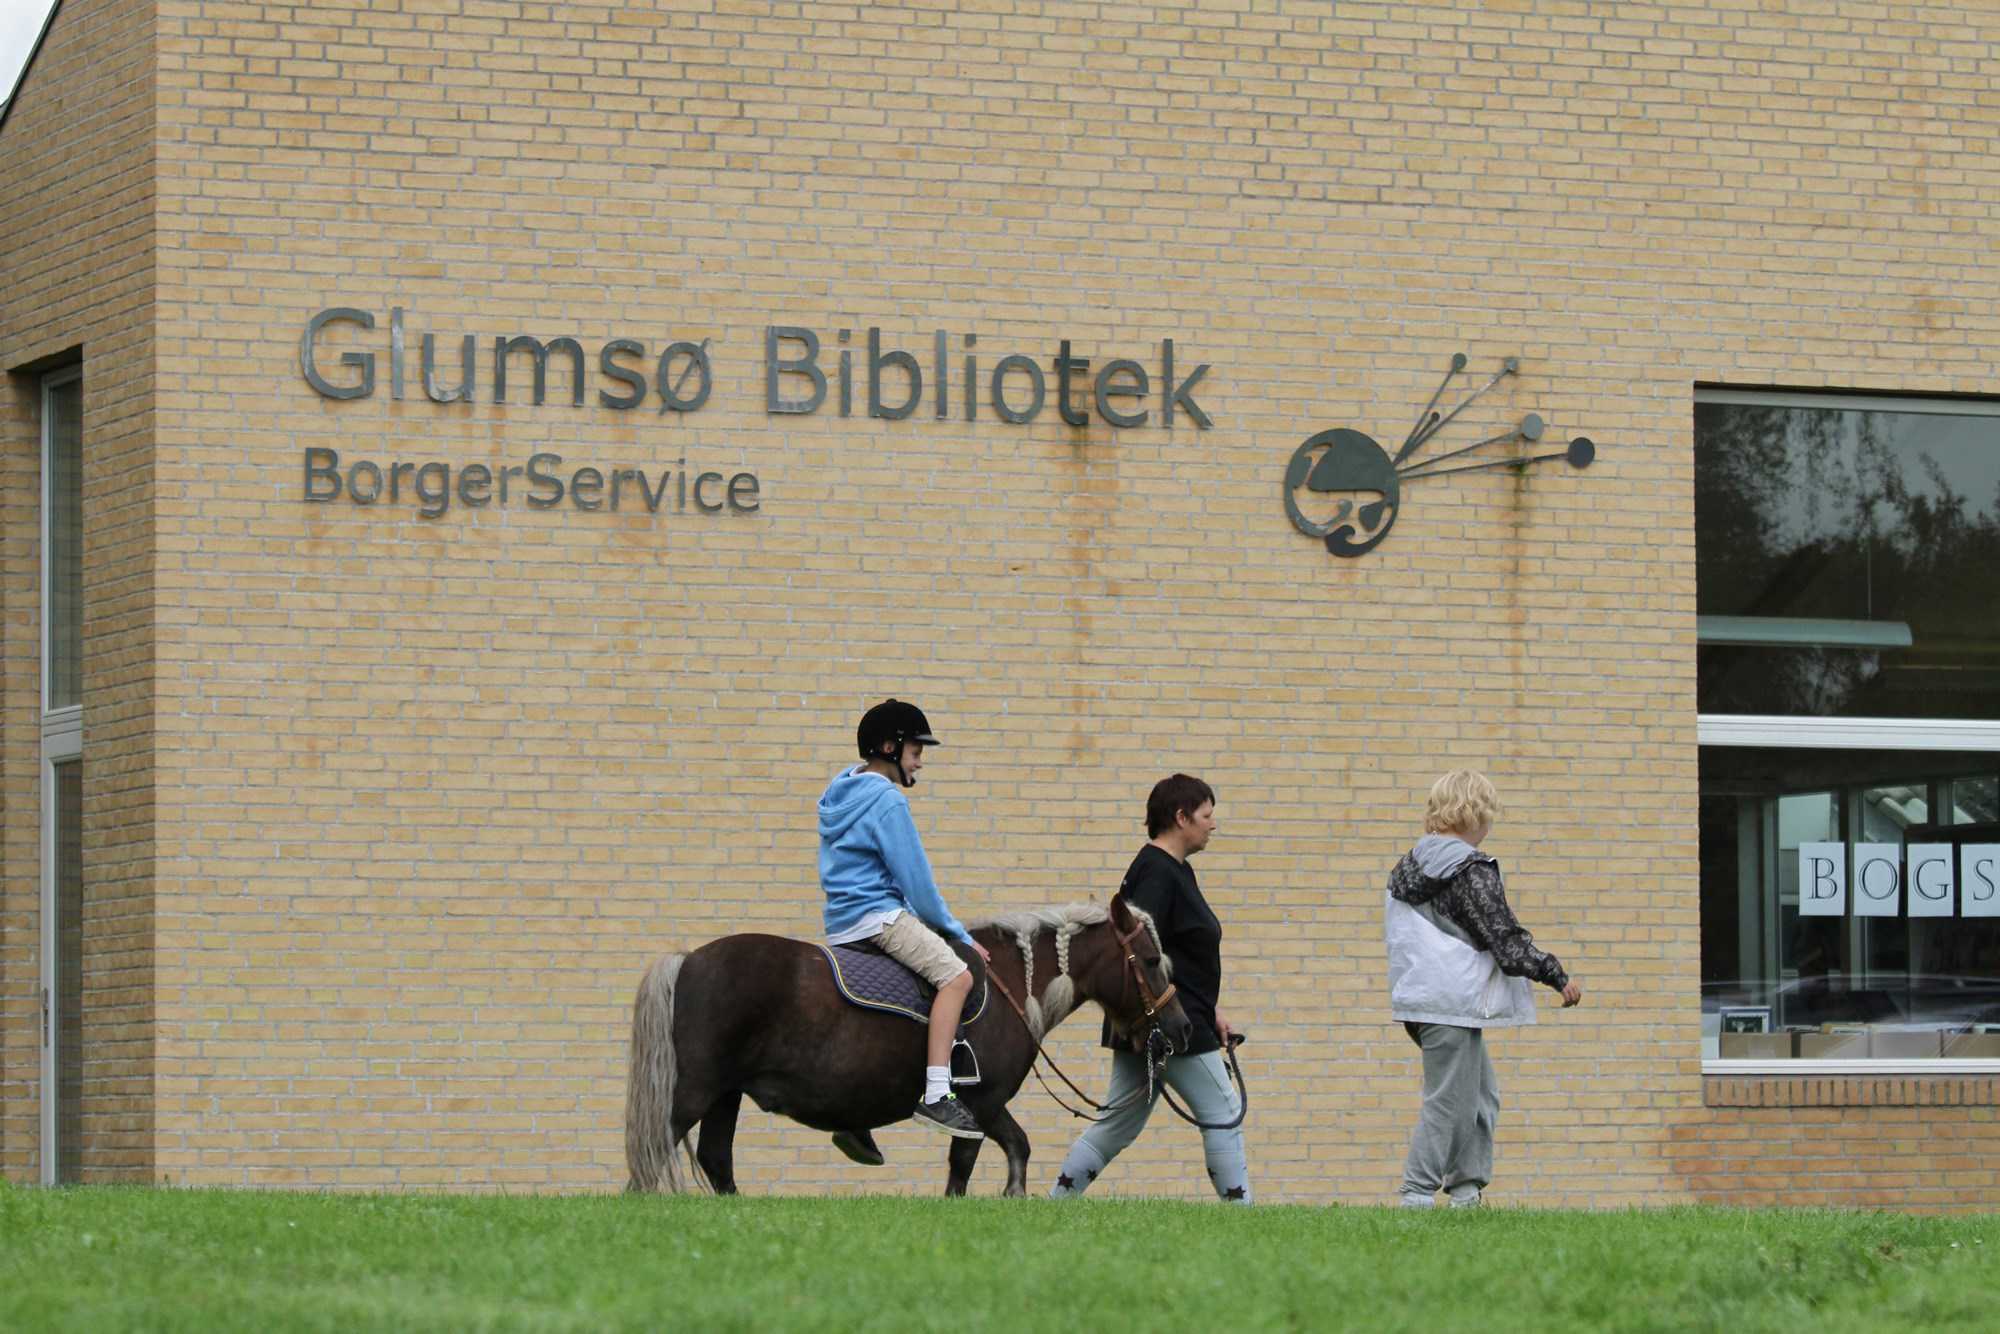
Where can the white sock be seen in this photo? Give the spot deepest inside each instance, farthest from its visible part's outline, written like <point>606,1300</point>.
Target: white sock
<point>937,1082</point>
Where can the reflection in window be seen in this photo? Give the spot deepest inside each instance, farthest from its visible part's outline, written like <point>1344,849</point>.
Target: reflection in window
<point>1847,559</point>
<point>1973,801</point>
<point>65,536</point>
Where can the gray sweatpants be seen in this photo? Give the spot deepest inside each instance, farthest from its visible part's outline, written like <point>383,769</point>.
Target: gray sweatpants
<point>1204,1088</point>
<point>1453,1143</point>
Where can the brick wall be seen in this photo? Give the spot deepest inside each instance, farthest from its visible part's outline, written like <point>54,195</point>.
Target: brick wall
<point>1922,1143</point>
<point>77,285</point>
<point>431,792</point>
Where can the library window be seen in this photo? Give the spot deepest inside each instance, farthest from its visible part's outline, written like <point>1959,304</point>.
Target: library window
<point>1848,667</point>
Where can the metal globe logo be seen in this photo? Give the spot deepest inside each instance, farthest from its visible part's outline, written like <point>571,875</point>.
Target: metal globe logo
<point>1347,490</point>
<point>1351,468</point>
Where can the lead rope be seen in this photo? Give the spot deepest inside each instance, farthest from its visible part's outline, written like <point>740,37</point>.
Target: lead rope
<point>1235,1073</point>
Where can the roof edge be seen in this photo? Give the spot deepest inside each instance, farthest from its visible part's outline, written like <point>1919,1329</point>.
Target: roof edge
<point>14,93</point>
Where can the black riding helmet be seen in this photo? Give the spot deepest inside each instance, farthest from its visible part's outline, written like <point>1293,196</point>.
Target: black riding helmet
<point>897,723</point>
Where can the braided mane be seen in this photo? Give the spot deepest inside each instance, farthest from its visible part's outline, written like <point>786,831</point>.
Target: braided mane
<point>1023,925</point>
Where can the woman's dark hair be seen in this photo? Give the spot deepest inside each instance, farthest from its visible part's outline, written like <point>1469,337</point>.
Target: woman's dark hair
<point>1182,794</point>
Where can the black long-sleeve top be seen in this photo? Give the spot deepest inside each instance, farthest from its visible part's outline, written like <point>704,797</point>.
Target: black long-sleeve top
<point>1165,887</point>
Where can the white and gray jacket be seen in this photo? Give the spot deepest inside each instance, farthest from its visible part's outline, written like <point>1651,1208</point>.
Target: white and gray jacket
<point>1457,955</point>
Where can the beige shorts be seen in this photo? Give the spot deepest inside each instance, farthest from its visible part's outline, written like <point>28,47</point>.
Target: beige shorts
<point>909,942</point>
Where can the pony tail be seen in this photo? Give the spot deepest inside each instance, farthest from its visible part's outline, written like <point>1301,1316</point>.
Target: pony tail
<point>649,1094</point>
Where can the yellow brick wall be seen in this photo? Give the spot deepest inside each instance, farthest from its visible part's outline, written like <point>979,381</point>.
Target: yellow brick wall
<point>77,286</point>
<point>431,792</point>
<point>1890,1142</point>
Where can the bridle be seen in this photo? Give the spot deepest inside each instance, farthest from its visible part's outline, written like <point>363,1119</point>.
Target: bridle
<point>1135,975</point>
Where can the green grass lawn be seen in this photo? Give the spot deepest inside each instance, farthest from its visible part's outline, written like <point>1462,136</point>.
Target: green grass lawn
<point>103,1258</point>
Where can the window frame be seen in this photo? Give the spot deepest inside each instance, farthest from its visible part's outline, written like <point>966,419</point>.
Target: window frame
<point>1802,732</point>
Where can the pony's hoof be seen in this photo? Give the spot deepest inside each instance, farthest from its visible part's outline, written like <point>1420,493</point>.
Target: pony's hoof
<point>860,1146</point>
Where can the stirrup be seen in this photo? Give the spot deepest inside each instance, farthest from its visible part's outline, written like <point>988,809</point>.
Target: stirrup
<point>964,1071</point>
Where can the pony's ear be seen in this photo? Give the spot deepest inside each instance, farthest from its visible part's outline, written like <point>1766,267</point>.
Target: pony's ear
<point>1121,913</point>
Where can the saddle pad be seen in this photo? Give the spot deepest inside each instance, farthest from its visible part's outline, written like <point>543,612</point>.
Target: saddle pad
<point>867,977</point>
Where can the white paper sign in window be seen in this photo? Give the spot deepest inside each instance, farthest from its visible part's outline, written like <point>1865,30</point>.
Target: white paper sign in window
<point>1822,879</point>
<point>1878,879</point>
<point>1979,865</point>
<point>1931,880</point>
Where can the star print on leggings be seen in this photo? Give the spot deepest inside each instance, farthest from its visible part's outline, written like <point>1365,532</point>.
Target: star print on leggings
<point>1065,1182</point>
<point>1233,1193</point>
<point>1092,1173</point>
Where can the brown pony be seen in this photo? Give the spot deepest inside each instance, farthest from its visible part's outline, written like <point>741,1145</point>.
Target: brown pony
<point>759,1014</point>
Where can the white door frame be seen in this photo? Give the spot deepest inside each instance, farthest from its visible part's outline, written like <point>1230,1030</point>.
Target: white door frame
<point>51,1063</point>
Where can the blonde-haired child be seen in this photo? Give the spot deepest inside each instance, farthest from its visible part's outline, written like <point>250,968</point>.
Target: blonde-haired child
<point>1458,964</point>
<point>1462,799</point>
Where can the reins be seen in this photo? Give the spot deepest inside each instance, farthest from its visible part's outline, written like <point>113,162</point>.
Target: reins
<point>1042,1054</point>
<point>1156,1057</point>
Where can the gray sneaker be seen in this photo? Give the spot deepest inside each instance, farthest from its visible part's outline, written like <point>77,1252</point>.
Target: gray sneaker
<point>1464,1197</point>
<point>949,1115</point>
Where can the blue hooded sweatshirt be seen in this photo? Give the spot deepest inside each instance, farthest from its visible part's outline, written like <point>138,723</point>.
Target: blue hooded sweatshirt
<point>870,859</point>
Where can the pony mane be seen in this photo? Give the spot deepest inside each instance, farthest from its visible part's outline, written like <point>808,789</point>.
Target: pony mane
<point>1024,924</point>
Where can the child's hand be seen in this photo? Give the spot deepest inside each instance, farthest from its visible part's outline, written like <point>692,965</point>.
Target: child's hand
<point>981,951</point>
<point>1572,994</point>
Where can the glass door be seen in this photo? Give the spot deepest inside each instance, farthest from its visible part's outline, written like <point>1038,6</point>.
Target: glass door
<point>62,914</point>
<point>62,900</point>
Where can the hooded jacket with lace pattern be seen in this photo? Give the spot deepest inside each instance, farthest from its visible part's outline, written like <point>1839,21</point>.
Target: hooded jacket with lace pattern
<point>1446,907</point>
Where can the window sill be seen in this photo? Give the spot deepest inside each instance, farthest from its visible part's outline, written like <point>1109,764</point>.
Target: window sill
<point>1793,731</point>
<point>1885,1066</point>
